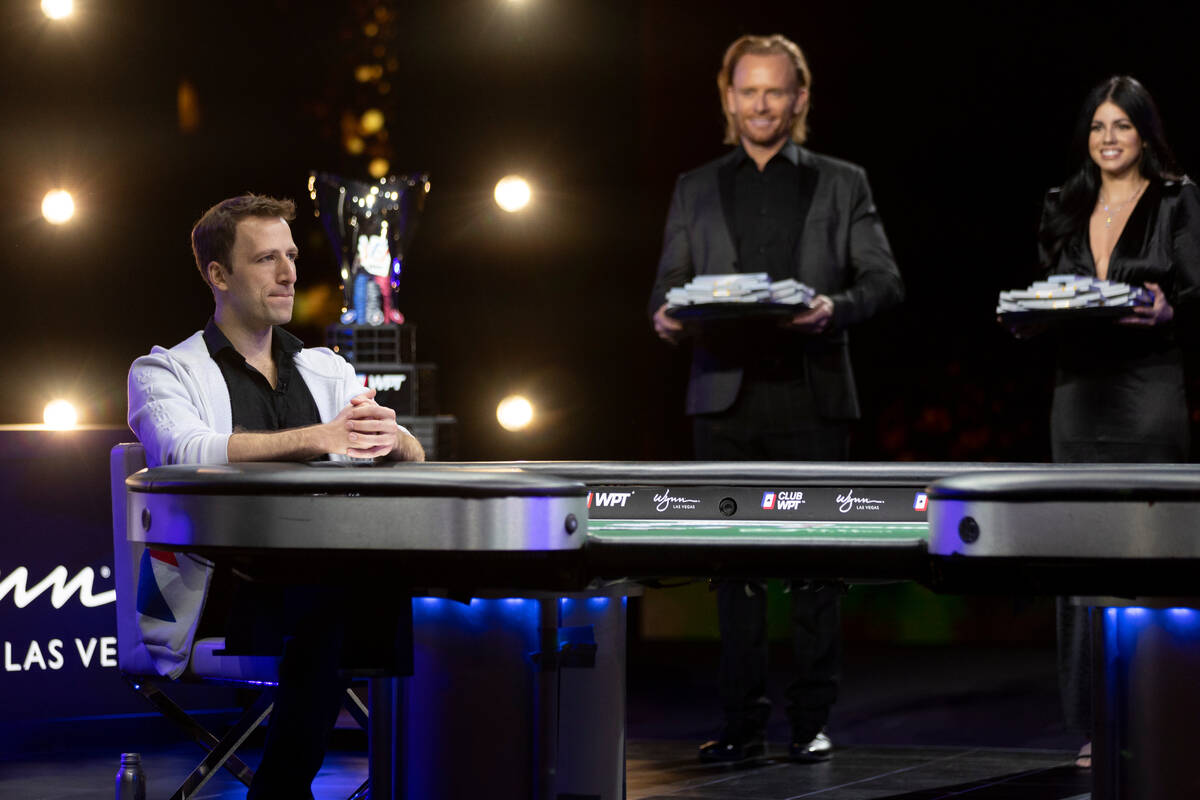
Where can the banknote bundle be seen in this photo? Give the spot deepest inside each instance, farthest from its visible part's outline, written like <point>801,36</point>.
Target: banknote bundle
<point>1071,292</point>
<point>792,292</point>
<point>740,287</point>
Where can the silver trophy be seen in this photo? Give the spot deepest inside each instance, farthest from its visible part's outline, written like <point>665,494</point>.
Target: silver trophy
<point>370,225</point>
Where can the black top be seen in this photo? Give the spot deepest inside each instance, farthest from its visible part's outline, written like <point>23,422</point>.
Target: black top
<point>256,405</point>
<point>1119,392</point>
<point>767,218</point>
<point>258,617</point>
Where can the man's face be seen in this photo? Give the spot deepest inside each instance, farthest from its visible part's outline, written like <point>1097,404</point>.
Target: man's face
<point>764,98</point>
<point>259,288</point>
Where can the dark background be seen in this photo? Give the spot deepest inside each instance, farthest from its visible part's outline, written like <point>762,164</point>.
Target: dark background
<point>962,119</point>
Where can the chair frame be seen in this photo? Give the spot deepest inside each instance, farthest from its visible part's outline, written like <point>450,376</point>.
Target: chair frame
<point>222,750</point>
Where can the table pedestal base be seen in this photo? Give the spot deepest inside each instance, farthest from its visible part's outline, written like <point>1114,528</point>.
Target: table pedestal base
<point>1146,700</point>
<point>509,698</point>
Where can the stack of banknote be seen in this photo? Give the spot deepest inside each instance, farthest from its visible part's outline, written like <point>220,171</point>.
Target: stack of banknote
<point>792,292</point>
<point>1073,291</point>
<point>739,287</point>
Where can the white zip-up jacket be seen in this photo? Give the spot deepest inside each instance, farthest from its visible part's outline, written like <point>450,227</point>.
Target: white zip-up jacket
<point>179,405</point>
<point>179,409</point>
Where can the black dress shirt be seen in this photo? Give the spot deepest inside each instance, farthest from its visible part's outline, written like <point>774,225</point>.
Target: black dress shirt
<point>256,405</point>
<point>767,219</point>
<point>259,616</point>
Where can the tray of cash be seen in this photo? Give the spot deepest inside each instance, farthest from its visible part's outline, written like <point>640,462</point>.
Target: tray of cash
<point>1070,298</point>
<point>1065,315</point>
<point>724,312</point>
<point>738,296</point>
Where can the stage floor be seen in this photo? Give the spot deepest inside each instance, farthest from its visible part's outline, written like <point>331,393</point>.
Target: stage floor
<point>656,769</point>
<point>914,723</point>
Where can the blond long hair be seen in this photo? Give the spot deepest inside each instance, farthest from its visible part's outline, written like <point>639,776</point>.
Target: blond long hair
<point>772,45</point>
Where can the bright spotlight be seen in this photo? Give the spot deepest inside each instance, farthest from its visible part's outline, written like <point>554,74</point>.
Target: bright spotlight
<point>57,9</point>
<point>514,413</point>
<point>512,193</point>
<point>60,414</point>
<point>58,207</point>
<point>378,167</point>
<point>371,121</point>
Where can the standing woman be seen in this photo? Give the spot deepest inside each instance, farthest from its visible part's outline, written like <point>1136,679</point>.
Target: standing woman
<point>1126,215</point>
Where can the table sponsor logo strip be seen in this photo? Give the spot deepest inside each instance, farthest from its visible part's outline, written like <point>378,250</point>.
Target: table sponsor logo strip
<point>733,503</point>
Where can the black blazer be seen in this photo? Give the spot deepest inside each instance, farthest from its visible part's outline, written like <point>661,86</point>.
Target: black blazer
<point>842,252</point>
<point>1160,243</point>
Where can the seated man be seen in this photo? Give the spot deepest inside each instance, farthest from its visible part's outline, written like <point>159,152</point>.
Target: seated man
<point>245,390</point>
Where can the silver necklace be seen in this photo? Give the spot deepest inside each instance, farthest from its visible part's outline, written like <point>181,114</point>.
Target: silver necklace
<point>1108,213</point>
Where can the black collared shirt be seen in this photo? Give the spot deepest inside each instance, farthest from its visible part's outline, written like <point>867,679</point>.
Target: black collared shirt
<point>256,405</point>
<point>766,209</point>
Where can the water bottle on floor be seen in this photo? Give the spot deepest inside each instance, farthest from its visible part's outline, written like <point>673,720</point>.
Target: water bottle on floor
<point>131,781</point>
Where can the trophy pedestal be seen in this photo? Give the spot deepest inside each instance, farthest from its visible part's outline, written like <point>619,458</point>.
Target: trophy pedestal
<point>373,344</point>
<point>384,358</point>
<point>409,389</point>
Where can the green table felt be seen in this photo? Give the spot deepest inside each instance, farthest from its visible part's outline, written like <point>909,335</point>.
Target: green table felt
<point>650,531</point>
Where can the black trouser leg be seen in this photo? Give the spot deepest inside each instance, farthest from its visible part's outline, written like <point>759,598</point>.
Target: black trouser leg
<point>1075,665</point>
<point>775,419</point>
<point>742,617</point>
<point>306,709</point>
<point>817,649</point>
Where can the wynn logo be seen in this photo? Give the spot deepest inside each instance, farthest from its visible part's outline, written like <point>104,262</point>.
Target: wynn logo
<point>61,588</point>
<point>665,501</point>
<point>848,502</point>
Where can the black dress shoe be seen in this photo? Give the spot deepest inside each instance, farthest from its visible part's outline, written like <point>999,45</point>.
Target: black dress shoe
<point>727,751</point>
<point>818,748</point>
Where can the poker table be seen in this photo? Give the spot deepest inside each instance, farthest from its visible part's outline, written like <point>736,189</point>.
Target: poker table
<point>1130,536</point>
<point>545,525</point>
<point>582,530</point>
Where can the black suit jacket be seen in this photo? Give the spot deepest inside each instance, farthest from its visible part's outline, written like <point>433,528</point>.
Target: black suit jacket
<point>842,252</point>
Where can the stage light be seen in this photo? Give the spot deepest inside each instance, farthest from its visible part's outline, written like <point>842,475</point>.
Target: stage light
<point>58,9</point>
<point>514,413</point>
<point>60,414</point>
<point>378,167</point>
<point>371,121</point>
<point>57,206</point>
<point>513,193</point>
<point>187,107</point>
<point>365,73</point>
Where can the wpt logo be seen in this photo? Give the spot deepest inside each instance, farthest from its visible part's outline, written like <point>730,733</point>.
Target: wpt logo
<point>608,499</point>
<point>61,587</point>
<point>386,382</point>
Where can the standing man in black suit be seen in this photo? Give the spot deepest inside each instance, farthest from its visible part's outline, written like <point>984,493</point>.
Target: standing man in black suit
<point>781,392</point>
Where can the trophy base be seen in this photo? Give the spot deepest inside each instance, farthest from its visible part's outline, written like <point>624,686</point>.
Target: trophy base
<point>438,435</point>
<point>409,389</point>
<point>373,344</point>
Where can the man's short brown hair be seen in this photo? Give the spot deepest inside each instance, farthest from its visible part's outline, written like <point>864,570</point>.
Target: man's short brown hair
<point>773,45</point>
<point>214,233</point>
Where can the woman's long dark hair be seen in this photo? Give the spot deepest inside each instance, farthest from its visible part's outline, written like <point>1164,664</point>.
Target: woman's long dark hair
<point>1077,199</point>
